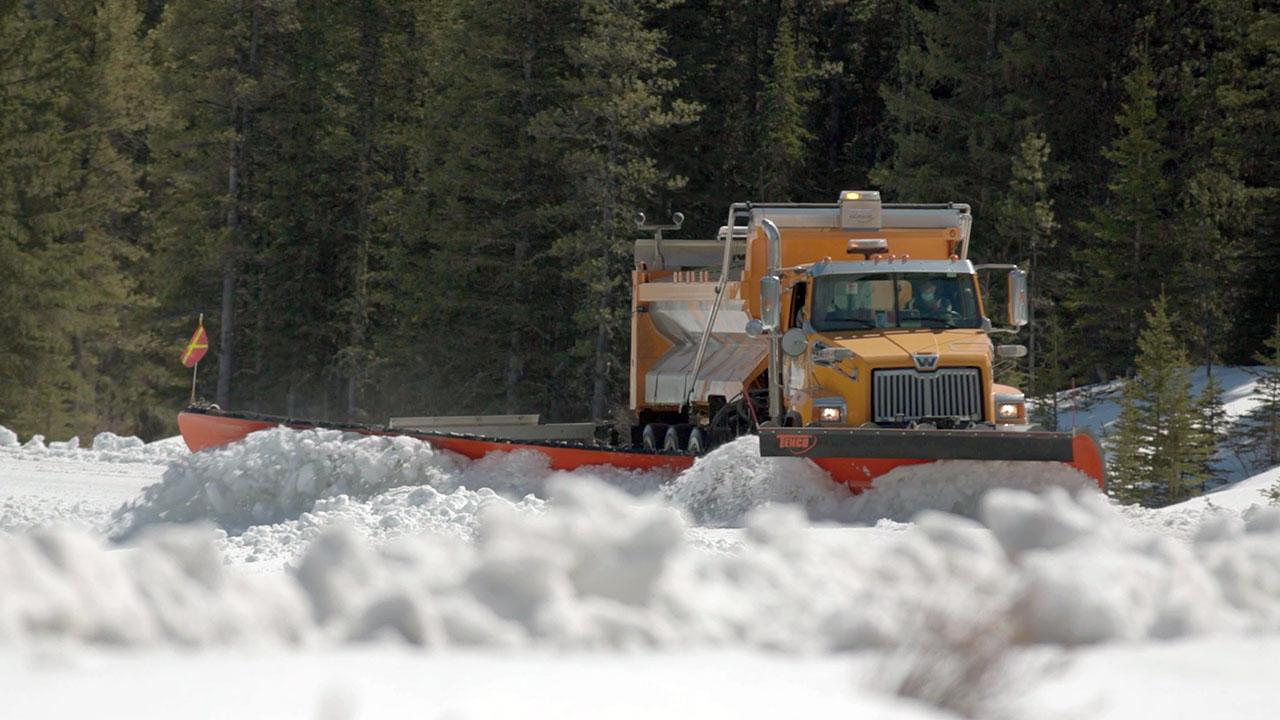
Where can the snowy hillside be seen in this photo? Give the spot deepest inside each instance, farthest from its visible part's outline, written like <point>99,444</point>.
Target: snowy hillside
<point>1097,407</point>
<point>315,575</point>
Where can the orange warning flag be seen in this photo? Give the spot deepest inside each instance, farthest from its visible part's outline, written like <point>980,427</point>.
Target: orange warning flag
<point>197,348</point>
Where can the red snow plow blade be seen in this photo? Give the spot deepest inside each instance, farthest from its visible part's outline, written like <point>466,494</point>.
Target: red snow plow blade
<point>204,428</point>
<point>857,456</point>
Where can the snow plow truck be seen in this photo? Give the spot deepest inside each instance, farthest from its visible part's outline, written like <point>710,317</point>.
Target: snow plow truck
<point>853,334</point>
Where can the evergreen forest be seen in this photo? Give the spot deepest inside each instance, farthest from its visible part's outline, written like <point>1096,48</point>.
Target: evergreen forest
<point>423,207</point>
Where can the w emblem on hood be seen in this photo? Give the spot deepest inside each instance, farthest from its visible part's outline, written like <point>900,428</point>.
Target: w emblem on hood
<point>925,363</point>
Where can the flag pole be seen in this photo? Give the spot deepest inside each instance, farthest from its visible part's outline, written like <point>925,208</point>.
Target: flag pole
<point>195,368</point>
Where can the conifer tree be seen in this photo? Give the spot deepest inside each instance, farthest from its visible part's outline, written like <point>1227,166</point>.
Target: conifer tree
<point>70,165</point>
<point>613,105</point>
<point>1212,425</point>
<point>959,110</point>
<point>787,93</point>
<point>1261,425</point>
<point>1126,264</point>
<point>222,68</point>
<point>1158,449</point>
<point>1026,213</point>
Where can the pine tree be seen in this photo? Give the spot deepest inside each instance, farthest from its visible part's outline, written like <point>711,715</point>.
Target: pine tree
<point>1158,450</point>
<point>1128,261</point>
<point>1212,425</point>
<point>72,112</point>
<point>1261,425</point>
<point>612,107</point>
<point>222,69</point>
<point>1026,213</point>
<point>787,91</point>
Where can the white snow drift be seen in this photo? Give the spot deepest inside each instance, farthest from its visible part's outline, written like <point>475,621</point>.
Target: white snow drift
<point>596,568</point>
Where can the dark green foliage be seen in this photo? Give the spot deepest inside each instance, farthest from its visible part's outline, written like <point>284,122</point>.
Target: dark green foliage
<point>1160,450</point>
<point>1259,440</point>
<point>424,206</point>
<point>72,106</point>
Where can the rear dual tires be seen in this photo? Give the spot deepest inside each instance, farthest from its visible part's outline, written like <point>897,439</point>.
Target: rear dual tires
<point>654,436</point>
<point>674,438</point>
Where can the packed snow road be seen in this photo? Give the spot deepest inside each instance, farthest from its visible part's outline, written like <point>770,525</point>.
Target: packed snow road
<point>308,542</point>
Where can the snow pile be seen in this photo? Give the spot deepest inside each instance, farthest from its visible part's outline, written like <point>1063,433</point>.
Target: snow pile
<point>384,517</point>
<point>281,482</point>
<point>597,568</point>
<point>172,588</point>
<point>278,474</point>
<point>956,486</point>
<point>724,486</point>
<point>107,447</point>
<point>111,442</point>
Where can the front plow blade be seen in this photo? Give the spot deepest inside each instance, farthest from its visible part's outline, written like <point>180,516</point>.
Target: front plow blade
<point>856,456</point>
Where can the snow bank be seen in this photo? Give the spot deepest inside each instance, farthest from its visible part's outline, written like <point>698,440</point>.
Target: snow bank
<point>173,588</point>
<point>278,474</point>
<point>722,488</point>
<point>107,447</point>
<point>384,517</point>
<point>307,479</point>
<point>596,568</point>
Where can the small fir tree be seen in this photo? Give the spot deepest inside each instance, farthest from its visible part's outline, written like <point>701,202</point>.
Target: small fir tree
<point>1261,425</point>
<point>1212,424</point>
<point>1159,452</point>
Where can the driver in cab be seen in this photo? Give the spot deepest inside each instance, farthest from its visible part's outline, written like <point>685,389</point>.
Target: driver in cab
<point>927,300</point>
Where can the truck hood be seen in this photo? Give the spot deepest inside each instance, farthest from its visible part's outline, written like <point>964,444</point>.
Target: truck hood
<point>894,348</point>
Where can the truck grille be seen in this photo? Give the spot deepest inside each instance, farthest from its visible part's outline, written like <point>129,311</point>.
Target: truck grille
<point>909,395</point>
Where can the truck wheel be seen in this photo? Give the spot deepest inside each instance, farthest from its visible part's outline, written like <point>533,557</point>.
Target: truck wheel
<point>697,443</point>
<point>654,436</point>
<point>677,437</point>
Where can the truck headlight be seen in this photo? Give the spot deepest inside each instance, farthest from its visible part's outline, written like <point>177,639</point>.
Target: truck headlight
<point>830,411</point>
<point>1010,408</point>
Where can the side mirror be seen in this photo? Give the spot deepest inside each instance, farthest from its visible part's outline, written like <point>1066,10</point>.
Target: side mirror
<point>1017,298</point>
<point>1011,351</point>
<point>794,343</point>
<point>754,328</point>
<point>771,302</point>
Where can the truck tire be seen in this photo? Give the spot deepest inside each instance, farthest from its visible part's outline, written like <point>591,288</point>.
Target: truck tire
<point>677,437</point>
<point>697,442</point>
<point>654,436</point>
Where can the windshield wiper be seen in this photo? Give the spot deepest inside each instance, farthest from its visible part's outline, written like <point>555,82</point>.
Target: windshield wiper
<point>943,322</point>
<point>863,324</point>
<point>844,324</point>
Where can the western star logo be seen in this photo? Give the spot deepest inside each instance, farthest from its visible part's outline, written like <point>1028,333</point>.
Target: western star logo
<point>797,444</point>
<point>924,363</point>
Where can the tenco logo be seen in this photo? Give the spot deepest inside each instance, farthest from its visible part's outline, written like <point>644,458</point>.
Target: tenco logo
<point>797,444</point>
<point>925,363</point>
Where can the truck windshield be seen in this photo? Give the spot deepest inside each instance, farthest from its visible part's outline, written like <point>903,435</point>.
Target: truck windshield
<point>895,300</point>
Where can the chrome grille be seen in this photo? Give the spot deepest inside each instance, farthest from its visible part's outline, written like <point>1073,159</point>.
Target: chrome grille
<point>949,392</point>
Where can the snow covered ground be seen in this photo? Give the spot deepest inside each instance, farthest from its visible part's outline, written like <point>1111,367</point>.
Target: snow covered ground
<point>308,575</point>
